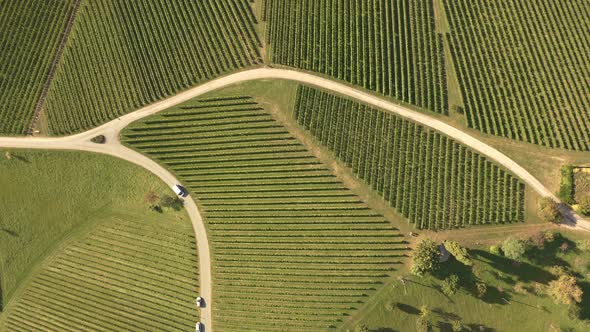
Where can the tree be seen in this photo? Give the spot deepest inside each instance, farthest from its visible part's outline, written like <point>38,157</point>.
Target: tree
<point>425,258</point>
<point>457,326</point>
<point>425,311</point>
<point>482,289</point>
<point>549,210</point>
<point>585,205</point>
<point>513,248</point>
<point>423,324</point>
<point>361,328</point>
<point>565,290</point>
<point>170,202</point>
<point>538,240</point>
<point>495,250</point>
<point>450,285</point>
<point>460,253</point>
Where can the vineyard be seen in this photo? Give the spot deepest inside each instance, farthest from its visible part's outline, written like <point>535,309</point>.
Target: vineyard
<point>430,179</point>
<point>293,248</point>
<point>386,46</point>
<point>524,68</point>
<point>122,55</point>
<point>124,275</point>
<point>29,37</point>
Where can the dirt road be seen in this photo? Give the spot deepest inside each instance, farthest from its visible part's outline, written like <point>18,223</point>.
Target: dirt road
<point>113,147</point>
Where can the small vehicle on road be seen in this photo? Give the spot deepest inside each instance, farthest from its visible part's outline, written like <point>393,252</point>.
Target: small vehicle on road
<point>199,327</point>
<point>200,302</point>
<point>180,190</point>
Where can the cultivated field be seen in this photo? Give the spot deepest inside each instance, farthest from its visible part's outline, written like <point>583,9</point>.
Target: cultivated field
<point>387,46</point>
<point>524,68</point>
<point>46,197</point>
<point>124,275</point>
<point>29,37</point>
<point>430,179</point>
<point>122,55</point>
<point>293,249</point>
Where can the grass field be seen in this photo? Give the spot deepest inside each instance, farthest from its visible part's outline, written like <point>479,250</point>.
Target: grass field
<point>47,197</point>
<point>433,181</point>
<point>127,273</point>
<point>524,68</point>
<point>511,303</point>
<point>122,55</point>
<point>29,34</point>
<point>293,248</point>
<point>386,46</point>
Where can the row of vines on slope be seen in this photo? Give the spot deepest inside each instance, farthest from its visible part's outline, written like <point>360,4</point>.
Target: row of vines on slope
<point>524,68</point>
<point>430,179</point>
<point>293,248</point>
<point>387,46</point>
<point>29,37</point>
<point>122,55</point>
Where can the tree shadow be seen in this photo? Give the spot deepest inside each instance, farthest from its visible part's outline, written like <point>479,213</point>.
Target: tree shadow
<point>547,255</point>
<point>408,309</point>
<point>9,232</point>
<point>20,158</point>
<point>524,272</point>
<point>479,328</point>
<point>585,304</point>
<point>384,329</point>
<point>445,314</point>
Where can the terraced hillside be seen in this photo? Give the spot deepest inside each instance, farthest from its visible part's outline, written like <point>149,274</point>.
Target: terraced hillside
<point>387,46</point>
<point>293,248</point>
<point>122,55</point>
<point>430,179</point>
<point>125,275</point>
<point>29,37</point>
<point>524,68</point>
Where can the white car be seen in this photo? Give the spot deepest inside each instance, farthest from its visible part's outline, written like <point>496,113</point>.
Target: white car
<point>199,327</point>
<point>179,190</point>
<point>200,302</point>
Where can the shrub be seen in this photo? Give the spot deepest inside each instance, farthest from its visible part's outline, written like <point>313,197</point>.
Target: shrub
<point>169,202</point>
<point>425,258</point>
<point>574,311</point>
<point>549,210</point>
<point>423,324</point>
<point>538,240</point>
<point>565,290</point>
<point>583,245</point>
<point>450,285</point>
<point>513,248</point>
<point>549,236</point>
<point>566,188</point>
<point>585,205</point>
<point>390,305</point>
<point>564,247</point>
<point>100,139</point>
<point>460,253</point>
<point>495,250</point>
<point>457,326</point>
<point>482,289</point>
<point>361,328</point>
<point>558,270</point>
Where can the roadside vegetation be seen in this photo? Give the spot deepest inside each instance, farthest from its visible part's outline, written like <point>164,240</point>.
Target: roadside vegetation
<point>47,197</point>
<point>122,55</point>
<point>29,34</point>
<point>292,247</point>
<point>433,181</point>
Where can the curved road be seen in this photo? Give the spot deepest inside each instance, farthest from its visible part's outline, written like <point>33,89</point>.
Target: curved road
<point>113,147</point>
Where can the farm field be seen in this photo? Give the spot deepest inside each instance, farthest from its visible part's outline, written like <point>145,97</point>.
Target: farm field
<point>390,47</point>
<point>430,179</point>
<point>123,55</point>
<point>29,34</point>
<point>47,197</point>
<point>292,247</point>
<point>524,68</point>
<point>127,273</point>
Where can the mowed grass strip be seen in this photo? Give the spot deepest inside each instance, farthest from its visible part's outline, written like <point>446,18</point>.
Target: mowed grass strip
<point>145,278</point>
<point>293,248</point>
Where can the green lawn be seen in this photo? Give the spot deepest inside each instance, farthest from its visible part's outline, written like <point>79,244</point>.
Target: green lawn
<point>46,197</point>
<point>503,308</point>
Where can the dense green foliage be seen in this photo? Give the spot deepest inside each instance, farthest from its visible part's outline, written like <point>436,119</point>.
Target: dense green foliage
<point>45,196</point>
<point>293,248</point>
<point>122,55</point>
<point>566,187</point>
<point>29,37</point>
<point>425,257</point>
<point>124,275</point>
<point>460,253</point>
<point>514,248</point>
<point>430,179</point>
<point>524,69</point>
<point>387,46</point>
